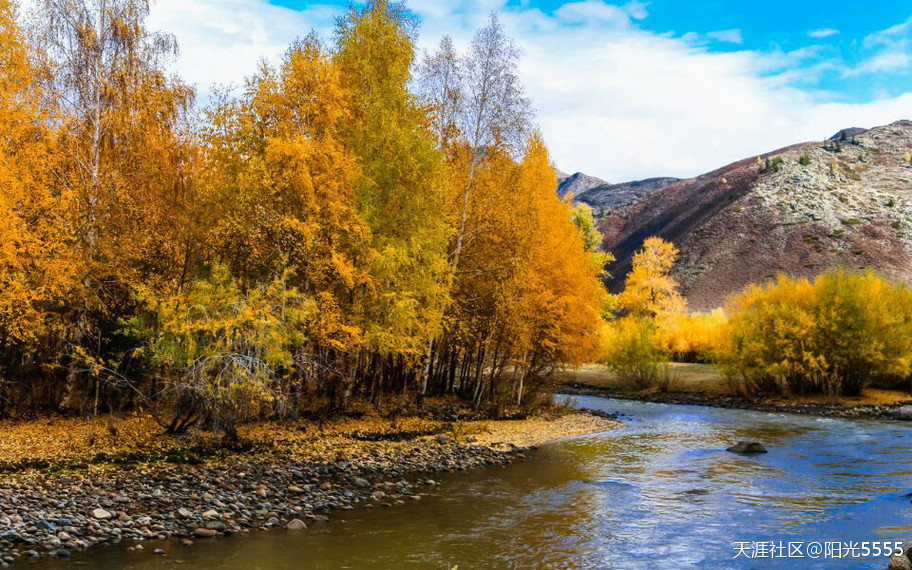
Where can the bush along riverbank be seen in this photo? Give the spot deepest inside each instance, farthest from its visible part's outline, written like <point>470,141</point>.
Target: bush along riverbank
<point>299,479</point>
<point>892,411</point>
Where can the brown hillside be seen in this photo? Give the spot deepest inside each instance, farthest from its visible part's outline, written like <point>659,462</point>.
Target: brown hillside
<point>849,206</point>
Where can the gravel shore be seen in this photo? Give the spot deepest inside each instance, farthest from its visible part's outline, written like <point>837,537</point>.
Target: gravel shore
<point>54,515</point>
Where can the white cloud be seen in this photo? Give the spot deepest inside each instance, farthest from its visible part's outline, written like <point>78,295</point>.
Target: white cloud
<point>890,51</point>
<point>222,41</point>
<point>596,12</point>
<point>822,33</point>
<point>889,36</point>
<point>613,100</point>
<point>730,36</point>
<point>886,61</point>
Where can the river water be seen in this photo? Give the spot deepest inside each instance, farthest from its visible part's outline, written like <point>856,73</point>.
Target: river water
<point>661,492</point>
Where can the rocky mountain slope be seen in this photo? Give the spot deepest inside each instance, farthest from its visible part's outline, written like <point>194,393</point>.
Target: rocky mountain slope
<point>602,196</point>
<point>610,196</point>
<point>799,210</point>
<point>576,184</point>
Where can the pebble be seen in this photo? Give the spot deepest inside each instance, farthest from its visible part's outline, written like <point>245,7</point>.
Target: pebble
<point>188,502</point>
<point>101,514</point>
<point>205,532</point>
<point>296,524</point>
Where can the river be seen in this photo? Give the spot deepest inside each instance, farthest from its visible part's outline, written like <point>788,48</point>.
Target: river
<point>661,492</point>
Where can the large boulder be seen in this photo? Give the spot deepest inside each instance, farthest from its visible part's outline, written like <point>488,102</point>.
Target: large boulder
<point>901,561</point>
<point>747,448</point>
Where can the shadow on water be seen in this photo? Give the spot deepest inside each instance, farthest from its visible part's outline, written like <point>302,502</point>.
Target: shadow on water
<point>659,493</point>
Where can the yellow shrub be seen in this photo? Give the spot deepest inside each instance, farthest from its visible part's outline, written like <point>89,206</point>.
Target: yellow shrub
<point>631,349</point>
<point>834,335</point>
<point>691,337</point>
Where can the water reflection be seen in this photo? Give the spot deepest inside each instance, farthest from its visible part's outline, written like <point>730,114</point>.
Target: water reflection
<point>659,493</point>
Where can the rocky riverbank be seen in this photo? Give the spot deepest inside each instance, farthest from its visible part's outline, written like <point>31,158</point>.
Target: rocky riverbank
<point>300,481</point>
<point>893,411</point>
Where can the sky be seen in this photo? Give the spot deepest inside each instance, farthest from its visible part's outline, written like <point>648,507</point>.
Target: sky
<point>632,90</point>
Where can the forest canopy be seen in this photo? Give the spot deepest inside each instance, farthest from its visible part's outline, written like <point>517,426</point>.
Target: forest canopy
<point>357,221</point>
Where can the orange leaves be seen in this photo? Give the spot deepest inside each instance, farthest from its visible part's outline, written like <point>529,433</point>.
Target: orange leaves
<point>35,256</point>
<point>526,283</point>
<point>649,289</point>
<point>283,180</point>
<point>310,219</point>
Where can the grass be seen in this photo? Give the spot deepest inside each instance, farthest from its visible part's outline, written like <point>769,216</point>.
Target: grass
<point>699,378</point>
<point>706,379</point>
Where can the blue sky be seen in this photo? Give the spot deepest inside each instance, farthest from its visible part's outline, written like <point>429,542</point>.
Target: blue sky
<point>628,89</point>
<point>835,29</point>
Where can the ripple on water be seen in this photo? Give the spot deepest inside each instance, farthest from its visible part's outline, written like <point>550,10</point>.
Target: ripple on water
<point>661,492</point>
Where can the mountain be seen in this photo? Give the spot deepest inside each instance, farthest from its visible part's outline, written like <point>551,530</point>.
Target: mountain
<point>611,196</point>
<point>576,184</point>
<point>799,210</point>
<point>601,195</point>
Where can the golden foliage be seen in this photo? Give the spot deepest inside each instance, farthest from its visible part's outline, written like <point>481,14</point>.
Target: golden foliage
<point>834,335</point>
<point>650,290</point>
<point>632,350</point>
<point>36,269</point>
<point>298,238</point>
<point>692,337</point>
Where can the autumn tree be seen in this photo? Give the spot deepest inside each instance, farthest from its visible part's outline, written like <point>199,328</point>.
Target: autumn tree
<point>221,349</point>
<point>833,335</point>
<point>650,290</point>
<point>592,237</point>
<point>527,298</point>
<point>36,269</point>
<point>123,156</point>
<point>323,231</point>
<point>486,103</point>
<point>402,191</point>
<point>279,194</point>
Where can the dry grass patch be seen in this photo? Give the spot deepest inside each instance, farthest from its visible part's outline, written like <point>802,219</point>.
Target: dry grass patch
<point>684,377</point>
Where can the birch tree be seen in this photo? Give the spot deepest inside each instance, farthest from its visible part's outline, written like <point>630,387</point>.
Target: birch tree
<point>440,85</point>
<point>120,113</point>
<point>496,111</point>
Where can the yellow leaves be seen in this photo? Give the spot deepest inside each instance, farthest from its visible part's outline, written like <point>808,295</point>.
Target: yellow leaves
<point>692,337</point>
<point>402,189</point>
<point>631,348</point>
<point>312,216</point>
<point>36,268</point>
<point>526,280</point>
<point>832,335</point>
<point>215,317</point>
<point>649,289</point>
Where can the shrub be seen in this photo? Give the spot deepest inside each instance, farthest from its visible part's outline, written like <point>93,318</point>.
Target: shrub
<point>218,349</point>
<point>691,337</point>
<point>833,336</point>
<point>804,159</point>
<point>632,351</point>
<point>770,164</point>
